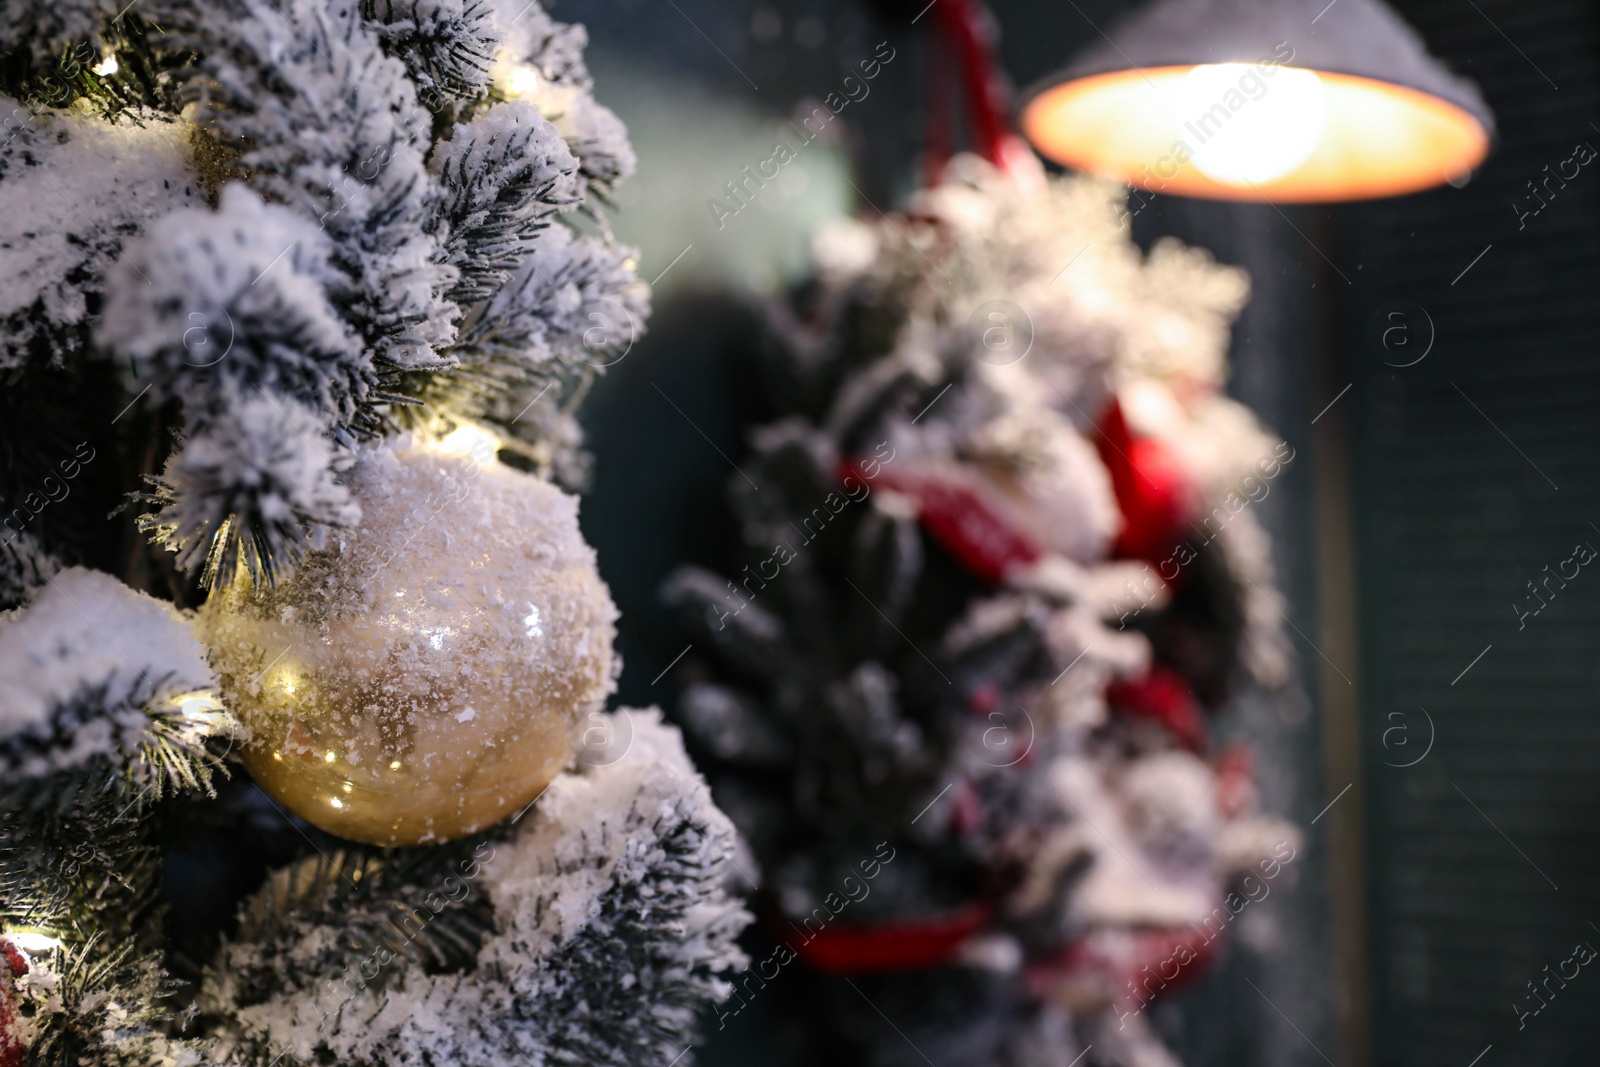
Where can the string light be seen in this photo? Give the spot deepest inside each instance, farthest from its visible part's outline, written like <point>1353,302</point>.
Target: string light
<point>471,439</point>
<point>197,704</point>
<point>33,942</point>
<point>522,81</point>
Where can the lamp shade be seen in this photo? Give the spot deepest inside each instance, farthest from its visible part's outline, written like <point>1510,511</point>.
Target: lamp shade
<point>1281,100</point>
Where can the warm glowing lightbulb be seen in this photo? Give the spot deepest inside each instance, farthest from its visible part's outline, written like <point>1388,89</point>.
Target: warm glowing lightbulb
<point>199,704</point>
<point>33,942</point>
<point>1245,123</point>
<point>106,67</point>
<point>471,439</point>
<point>523,81</point>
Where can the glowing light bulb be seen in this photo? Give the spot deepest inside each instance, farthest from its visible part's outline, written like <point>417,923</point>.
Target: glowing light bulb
<point>524,81</point>
<point>1244,124</point>
<point>329,757</point>
<point>33,942</point>
<point>106,67</point>
<point>336,802</point>
<point>199,704</point>
<point>470,439</point>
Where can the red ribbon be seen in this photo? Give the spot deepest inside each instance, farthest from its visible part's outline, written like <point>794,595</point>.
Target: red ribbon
<point>967,34</point>
<point>900,946</point>
<point>957,514</point>
<point>1162,696</point>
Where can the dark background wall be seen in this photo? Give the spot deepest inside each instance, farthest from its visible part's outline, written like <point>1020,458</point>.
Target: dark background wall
<point>1476,468</point>
<point>1421,502</point>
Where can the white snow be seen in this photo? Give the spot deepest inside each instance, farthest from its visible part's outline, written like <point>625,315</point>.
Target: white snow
<point>86,629</point>
<point>202,277</point>
<point>73,191</point>
<point>49,27</point>
<point>593,830</point>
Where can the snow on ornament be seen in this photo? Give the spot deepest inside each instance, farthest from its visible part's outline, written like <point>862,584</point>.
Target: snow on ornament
<point>425,674</point>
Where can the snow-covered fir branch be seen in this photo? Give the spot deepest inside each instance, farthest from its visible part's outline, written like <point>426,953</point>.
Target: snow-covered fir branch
<point>610,923</point>
<point>290,222</point>
<point>103,683</point>
<point>554,77</point>
<point>575,302</point>
<point>239,298</point>
<point>386,268</point>
<point>24,566</point>
<point>47,27</point>
<point>73,189</point>
<point>274,385</point>
<point>102,1003</point>
<point>255,488</point>
<point>324,122</point>
<point>447,45</point>
<point>503,175</point>
<point>106,711</point>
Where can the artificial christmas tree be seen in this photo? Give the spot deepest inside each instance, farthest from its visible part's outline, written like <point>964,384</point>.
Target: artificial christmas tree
<point>999,572</point>
<point>302,295</point>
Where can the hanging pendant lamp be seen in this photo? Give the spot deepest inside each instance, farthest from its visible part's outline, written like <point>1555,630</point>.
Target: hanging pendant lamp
<point>1280,100</point>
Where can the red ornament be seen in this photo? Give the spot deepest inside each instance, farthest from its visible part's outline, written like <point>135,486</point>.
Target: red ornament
<point>1164,697</point>
<point>13,965</point>
<point>15,961</point>
<point>1151,487</point>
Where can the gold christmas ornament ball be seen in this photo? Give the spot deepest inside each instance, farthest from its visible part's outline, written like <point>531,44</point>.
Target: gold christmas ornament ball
<point>425,674</point>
